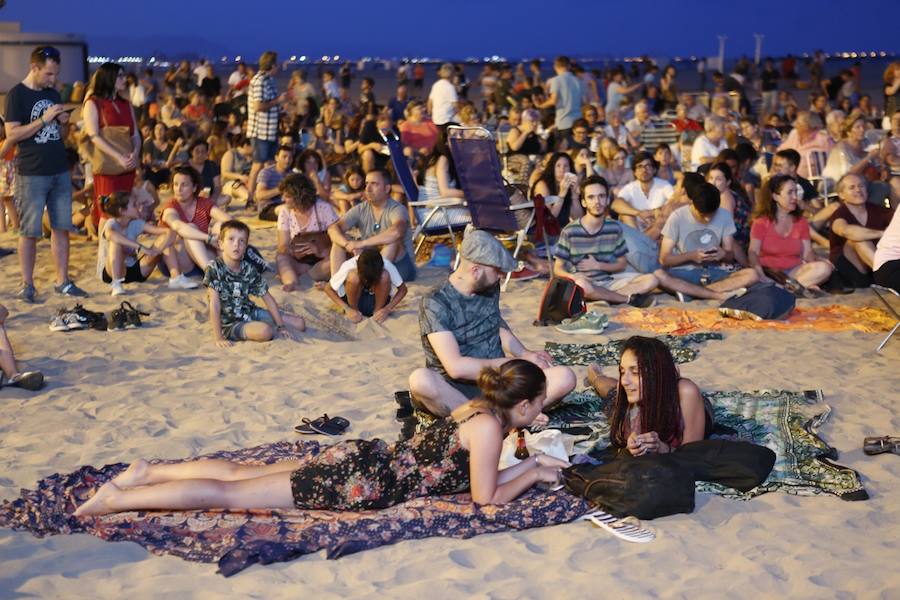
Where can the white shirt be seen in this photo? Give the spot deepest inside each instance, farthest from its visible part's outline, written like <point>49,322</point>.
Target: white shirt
<point>888,248</point>
<point>660,192</point>
<point>443,102</point>
<point>337,280</point>
<point>703,148</point>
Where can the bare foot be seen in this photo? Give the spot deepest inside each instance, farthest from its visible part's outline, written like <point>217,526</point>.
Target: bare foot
<point>732,294</point>
<point>320,285</point>
<point>134,475</point>
<point>99,503</point>
<point>289,287</point>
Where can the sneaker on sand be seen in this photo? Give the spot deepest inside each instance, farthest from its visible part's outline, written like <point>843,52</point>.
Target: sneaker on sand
<point>588,323</point>
<point>66,321</point>
<point>642,300</point>
<point>117,319</point>
<point>68,288</point>
<point>91,319</point>
<point>116,288</point>
<point>182,282</point>
<point>27,293</point>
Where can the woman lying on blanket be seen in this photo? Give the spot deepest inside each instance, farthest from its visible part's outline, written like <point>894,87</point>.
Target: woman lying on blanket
<point>458,453</point>
<point>653,409</point>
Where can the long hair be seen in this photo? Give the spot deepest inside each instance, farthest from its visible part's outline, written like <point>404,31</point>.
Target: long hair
<point>660,405</point>
<point>103,83</point>
<point>549,176</point>
<point>505,386</point>
<point>766,205</point>
<point>441,148</point>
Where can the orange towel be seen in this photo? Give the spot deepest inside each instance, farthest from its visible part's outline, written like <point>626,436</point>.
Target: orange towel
<point>820,318</point>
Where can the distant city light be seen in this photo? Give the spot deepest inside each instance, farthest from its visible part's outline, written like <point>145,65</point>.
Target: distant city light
<point>302,58</point>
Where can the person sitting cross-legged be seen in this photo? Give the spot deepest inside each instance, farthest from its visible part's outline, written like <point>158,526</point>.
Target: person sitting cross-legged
<point>366,286</point>
<point>696,242</point>
<point>591,251</point>
<point>463,332</point>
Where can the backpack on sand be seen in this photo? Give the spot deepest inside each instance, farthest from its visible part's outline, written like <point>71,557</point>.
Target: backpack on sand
<point>562,298</point>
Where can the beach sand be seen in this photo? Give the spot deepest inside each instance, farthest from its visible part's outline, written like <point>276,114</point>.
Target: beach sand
<point>166,391</point>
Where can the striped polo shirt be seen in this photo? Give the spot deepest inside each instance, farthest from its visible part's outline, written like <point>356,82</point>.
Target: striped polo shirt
<point>576,243</point>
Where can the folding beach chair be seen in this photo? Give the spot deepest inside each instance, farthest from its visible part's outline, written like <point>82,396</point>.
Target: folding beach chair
<point>882,292</point>
<point>478,168</point>
<point>437,217</point>
<point>815,165</point>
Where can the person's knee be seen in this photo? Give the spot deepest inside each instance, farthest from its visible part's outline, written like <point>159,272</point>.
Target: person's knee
<point>748,276</point>
<point>420,382</point>
<point>561,379</point>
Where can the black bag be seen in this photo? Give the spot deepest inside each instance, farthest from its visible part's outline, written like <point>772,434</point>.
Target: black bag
<point>562,298</point>
<point>646,487</point>
<point>657,485</point>
<point>761,302</point>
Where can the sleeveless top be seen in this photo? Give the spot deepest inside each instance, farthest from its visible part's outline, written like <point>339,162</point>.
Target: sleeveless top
<point>202,213</point>
<point>370,474</point>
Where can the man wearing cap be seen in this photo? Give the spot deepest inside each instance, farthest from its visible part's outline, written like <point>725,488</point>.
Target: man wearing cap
<point>462,331</point>
<point>443,99</point>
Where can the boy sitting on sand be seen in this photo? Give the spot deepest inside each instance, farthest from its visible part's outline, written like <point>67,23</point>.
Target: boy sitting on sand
<point>367,285</point>
<point>231,281</point>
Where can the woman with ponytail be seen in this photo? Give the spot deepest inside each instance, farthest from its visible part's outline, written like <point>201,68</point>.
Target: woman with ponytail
<point>652,408</point>
<point>458,453</point>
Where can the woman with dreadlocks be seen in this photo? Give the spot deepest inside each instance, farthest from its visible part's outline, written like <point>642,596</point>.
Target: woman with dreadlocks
<point>652,408</point>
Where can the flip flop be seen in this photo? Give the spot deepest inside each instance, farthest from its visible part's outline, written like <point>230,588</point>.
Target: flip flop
<point>624,529</point>
<point>324,425</point>
<point>880,445</point>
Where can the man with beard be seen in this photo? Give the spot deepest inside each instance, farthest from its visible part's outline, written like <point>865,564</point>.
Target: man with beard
<point>463,332</point>
<point>591,251</point>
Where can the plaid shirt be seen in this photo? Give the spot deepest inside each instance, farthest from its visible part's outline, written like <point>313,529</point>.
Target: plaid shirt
<point>262,124</point>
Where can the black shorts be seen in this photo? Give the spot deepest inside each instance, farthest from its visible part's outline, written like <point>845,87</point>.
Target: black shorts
<point>849,275</point>
<point>133,274</point>
<point>888,275</point>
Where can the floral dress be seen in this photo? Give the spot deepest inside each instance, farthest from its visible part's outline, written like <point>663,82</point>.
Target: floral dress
<point>370,474</point>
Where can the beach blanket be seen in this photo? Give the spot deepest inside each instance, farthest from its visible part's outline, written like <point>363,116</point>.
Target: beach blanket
<point>682,347</point>
<point>238,539</point>
<point>679,321</point>
<point>784,421</point>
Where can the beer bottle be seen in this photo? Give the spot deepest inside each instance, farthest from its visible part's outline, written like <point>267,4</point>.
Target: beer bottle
<point>521,449</point>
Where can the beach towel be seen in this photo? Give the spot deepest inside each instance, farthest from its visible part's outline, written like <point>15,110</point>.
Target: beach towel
<point>678,321</point>
<point>238,539</point>
<point>682,347</point>
<point>784,421</point>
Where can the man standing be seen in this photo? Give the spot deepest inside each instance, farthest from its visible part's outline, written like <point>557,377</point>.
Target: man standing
<point>382,223</point>
<point>565,96</point>
<point>463,331</point>
<point>442,100</point>
<point>263,105</point>
<point>34,121</point>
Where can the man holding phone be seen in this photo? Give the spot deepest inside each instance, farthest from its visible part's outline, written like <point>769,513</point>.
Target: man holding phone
<point>697,242</point>
<point>35,117</point>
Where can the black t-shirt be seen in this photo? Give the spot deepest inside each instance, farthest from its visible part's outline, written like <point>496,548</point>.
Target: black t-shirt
<point>834,87</point>
<point>43,153</point>
<point>769,80</point>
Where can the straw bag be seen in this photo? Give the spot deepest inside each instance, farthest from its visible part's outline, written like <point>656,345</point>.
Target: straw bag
<point>117,136</point>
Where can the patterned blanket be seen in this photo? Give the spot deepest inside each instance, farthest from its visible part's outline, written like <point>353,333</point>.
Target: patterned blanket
<point>678,321</point>
<point>239,539</point>
<point>787,422</point>
<point>682,347</point>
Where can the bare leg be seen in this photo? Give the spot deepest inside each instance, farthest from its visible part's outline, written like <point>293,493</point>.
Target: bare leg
<point>27,252</point>
<point>738,279</point>
<point>255,168</point>
<point>812,274</point>
<point>433,391</point>
<point>288,271</point>
<point>353,289</point>
<point>595,292</point>
<point>321,271</point>
<point>199,252</point>
<point>864,252</point>
<point>600,382</point>
<point>115,261</point>
<point>338,255</point>
<point>7,358</point>
<point>141,472</point>
<point>393,251</point>
<point>267,491</point>
<point>642,284</point>
<point>382,290</point>
<point>59,245</point>
<point>674,284</point>
<point>258,331</point>
<point>295,321</point>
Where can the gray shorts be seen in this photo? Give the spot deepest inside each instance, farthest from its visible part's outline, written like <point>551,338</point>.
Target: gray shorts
<point>235,331</point>
<point>34,192</point>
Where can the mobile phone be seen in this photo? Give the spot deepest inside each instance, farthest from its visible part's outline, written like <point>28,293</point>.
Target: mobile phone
<point>68,110</point>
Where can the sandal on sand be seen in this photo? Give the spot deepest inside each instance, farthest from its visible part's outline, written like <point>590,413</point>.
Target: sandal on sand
<point>325,425</point>
<point>628,529</point>
<point>27,380</point>
<point>880,445</point>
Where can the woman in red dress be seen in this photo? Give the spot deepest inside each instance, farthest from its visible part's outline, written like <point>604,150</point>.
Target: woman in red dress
<point>106,104</point>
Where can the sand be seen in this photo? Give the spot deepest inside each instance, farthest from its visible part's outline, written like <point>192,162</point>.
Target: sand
<point>167,391</point>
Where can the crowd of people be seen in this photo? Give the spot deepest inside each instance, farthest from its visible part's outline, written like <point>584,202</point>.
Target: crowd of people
<point>655,189</point>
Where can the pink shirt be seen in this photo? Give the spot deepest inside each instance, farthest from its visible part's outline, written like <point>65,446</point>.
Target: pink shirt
<point>421,136</point>
<point>820,142</point>
<point>889,245</point>
<point>777,252</point>
<point>322,218</point>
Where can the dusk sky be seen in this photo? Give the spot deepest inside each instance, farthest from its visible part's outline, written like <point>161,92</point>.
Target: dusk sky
<point>463,28</point>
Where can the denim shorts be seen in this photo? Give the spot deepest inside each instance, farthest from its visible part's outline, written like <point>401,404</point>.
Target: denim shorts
<point>695,275</point>
<point>34,192</point>
<point>264,150</point>
<point>235,331</point>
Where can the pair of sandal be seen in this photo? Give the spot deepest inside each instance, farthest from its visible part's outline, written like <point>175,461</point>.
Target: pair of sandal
<point>881,445</point>
<point>323,425</point>
<point>792,285</point>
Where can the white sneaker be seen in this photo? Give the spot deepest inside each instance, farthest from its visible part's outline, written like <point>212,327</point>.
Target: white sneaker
<point>116,287</point>
<point>181,282</point>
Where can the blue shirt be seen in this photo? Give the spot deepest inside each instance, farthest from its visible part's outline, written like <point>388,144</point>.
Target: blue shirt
<point>568,92</point>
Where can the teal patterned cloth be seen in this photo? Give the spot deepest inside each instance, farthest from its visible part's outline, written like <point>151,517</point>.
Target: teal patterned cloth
<point>784,421</point>
<point>682,347</point>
